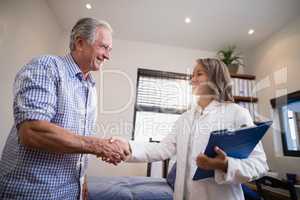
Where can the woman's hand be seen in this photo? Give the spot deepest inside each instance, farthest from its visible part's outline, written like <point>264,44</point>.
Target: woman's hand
<point>219,162</point>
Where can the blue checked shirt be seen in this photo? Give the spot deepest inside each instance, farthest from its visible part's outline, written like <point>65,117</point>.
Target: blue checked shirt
<point>49,88</point>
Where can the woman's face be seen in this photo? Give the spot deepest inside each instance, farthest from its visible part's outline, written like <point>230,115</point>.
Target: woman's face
<point>200,81</point>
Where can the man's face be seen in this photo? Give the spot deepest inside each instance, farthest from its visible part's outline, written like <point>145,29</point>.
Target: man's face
<point>95,54</point>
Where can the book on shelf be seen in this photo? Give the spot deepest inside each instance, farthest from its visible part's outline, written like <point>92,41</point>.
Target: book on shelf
<point>244,92</point>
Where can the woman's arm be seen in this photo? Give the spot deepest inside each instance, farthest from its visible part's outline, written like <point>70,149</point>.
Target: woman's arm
<point>150,152</point>
<point>244,170</point>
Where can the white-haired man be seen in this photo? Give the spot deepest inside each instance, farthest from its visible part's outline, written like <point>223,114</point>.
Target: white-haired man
<point>54,120</point>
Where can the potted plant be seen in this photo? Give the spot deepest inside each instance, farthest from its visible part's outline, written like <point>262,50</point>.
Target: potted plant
<point>232,59</point>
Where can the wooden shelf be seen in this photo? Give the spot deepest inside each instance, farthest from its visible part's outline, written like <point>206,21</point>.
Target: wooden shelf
<point>243,76</point>
<point>245,99</point>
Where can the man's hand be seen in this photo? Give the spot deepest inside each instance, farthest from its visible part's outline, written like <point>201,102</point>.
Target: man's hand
<point>123,145</point>
<point>110,152</point>
<point>220,162</point>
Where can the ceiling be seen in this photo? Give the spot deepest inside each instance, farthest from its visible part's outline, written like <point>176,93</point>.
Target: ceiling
<point>214,23</point>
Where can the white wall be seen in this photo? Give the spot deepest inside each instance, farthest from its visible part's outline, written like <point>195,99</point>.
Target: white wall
<point>117,93</point>
<point>27,28</point>
<point>276,63</point>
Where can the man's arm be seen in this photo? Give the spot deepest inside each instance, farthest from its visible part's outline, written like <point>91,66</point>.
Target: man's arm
<point>50,137</point>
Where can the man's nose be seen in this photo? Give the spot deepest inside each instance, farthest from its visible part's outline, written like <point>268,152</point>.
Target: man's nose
<point>106,55</point>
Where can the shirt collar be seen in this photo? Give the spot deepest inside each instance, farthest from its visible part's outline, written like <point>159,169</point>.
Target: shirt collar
<point>75,71</point>
<point>91,79</point>
<point>210,107</point>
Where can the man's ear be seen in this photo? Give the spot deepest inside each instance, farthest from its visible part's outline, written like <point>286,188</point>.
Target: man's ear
<point>79,43</point>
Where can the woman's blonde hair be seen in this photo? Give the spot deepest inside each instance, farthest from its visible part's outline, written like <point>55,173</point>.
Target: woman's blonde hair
<point>219,79</point>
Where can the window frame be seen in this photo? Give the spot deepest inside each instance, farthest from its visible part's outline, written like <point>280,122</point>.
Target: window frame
<point>160,75</point>
<point>278,103</point>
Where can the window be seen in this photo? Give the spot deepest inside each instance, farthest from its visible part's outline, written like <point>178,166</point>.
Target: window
<point>161,98</point>
<point>289,116</point>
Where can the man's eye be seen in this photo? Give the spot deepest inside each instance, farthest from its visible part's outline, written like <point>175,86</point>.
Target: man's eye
<point>106,47</point>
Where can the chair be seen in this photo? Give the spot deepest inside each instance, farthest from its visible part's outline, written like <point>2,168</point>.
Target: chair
<point>249,193</point>
<point>165,164</point>
<point>275,183</point>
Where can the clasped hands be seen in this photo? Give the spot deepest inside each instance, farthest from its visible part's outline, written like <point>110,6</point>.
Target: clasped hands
<point>115,150</point>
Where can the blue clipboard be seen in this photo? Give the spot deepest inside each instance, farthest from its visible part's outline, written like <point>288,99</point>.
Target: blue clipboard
<point>237,144</point>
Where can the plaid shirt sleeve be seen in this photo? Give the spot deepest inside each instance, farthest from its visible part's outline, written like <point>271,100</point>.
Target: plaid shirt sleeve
<point>35,92</point>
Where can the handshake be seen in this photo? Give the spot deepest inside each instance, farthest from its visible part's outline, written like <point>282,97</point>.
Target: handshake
<point>114,150</point>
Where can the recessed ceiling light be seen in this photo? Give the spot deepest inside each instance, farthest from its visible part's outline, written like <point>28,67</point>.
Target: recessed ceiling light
<point>187,20</point>
<point>251,31</point>
<point>88,6</point>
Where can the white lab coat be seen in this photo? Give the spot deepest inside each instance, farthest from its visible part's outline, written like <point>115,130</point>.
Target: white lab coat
<point>215,116</point>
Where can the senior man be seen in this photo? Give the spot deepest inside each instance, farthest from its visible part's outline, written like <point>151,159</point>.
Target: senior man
<point>45,155</point>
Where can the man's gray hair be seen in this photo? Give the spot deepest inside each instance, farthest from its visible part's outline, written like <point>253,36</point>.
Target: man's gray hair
<point>86,28</point>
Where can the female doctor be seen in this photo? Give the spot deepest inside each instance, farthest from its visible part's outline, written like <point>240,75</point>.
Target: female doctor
<point>215,111</point>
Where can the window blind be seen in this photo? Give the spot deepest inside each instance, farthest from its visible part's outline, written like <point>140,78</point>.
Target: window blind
<point>160,99</point>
